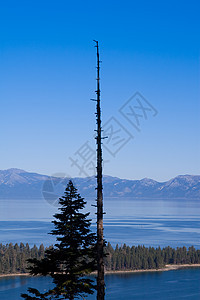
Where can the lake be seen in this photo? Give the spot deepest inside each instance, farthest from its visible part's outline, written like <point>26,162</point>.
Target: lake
<point>134,222</point>
<point>179,284</point>
<point>173,222</point>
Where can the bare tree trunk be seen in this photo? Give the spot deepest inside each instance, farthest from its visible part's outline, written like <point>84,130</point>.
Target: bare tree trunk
<point>100,239</point>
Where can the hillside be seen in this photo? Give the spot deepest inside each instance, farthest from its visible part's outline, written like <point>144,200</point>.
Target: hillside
<point>19,184</point>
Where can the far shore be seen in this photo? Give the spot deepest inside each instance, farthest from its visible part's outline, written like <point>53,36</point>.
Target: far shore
<point>166,268</point>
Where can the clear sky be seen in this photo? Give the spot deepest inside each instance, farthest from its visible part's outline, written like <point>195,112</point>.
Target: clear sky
<point>47,76</point>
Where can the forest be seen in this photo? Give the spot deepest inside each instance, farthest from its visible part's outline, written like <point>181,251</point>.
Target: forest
<point>13,258</point>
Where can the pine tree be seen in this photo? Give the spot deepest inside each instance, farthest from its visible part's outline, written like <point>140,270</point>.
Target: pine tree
<point>74,254</point>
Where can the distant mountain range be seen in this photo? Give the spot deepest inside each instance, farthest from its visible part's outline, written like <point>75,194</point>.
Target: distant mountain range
<point>19,184</point>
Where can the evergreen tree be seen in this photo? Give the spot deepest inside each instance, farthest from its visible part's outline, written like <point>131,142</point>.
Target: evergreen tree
<point>13,258</point>
<point>74,254</point>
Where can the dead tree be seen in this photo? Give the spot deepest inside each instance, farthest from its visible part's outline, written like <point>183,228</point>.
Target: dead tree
<point>100,238</point>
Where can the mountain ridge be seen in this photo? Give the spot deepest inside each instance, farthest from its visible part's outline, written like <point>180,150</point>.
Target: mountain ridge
<point>20,184</point>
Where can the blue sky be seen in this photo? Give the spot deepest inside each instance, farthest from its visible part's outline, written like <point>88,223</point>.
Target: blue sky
<point>47,75</point>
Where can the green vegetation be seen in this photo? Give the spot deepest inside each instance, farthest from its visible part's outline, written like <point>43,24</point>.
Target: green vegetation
<point>13,258</point>
<point>74,254</point>
<point>140,258</point>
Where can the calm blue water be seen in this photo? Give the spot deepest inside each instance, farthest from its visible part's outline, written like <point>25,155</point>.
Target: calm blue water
<point>147,222</point>
<point>144,231</point>
<point>179,284</point>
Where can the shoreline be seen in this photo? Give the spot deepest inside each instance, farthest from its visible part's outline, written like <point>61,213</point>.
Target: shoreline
<point>14,274</point>
<point>166,268</point>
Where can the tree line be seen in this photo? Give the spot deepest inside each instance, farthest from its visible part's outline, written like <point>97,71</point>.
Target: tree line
<point>142,258</point>
<point>13,258</point>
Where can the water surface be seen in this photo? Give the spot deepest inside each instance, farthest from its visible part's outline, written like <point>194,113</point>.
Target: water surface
<point>179,284</point>
<point>147,222</point>
<point>131,221</point>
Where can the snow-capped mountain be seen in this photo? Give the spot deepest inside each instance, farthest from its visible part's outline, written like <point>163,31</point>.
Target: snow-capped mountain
<point>19,184</point>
